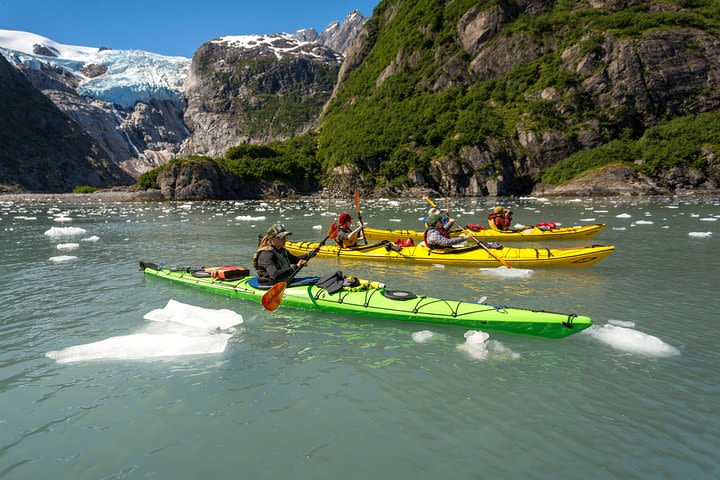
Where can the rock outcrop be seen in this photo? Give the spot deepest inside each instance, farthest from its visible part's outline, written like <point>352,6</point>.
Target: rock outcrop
<point>255,89</point>
<point>43,150</point>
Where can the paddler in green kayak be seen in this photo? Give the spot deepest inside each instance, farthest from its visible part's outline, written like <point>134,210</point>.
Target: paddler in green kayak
<point>272,261</point>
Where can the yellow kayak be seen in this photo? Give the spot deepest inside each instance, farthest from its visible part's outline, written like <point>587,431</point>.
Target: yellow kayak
<point>472,255</point>
<point>526,235</point>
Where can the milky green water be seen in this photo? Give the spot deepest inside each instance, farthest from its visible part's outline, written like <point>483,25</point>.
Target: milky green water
<point>296,394</point>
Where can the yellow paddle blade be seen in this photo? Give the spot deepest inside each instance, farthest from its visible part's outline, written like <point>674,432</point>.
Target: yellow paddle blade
<point>272,298</point>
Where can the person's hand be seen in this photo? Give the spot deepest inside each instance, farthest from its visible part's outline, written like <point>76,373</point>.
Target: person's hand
<point>468,236</point>
<point>302,263</point>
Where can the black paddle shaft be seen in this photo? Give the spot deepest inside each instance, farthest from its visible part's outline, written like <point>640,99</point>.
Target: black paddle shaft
<point>312,254</point>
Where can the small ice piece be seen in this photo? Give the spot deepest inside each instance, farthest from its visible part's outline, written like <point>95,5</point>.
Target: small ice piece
<point>587,219</point>
<point>317,227</point>
<point>68,246</point>
<point>422,336</point>
<point>503,271</point>
<point>474,344</point>
<point>249,218</point>
<point>57,232</point>
<point>62,258</point>
<point>482,300</point>
<point>629,340</point>
<point>438,265</point>
<point>622,323</point>
<point>708,219</point>
<point>623,215</point>
<point>395,220</point>
<point>393,203</point>
<point>644,222</point>
<point>619,228</point>
<point>700,234</point>
<point>62,219</point>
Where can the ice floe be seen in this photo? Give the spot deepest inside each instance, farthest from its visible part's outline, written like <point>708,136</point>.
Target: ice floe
<point>478,346</point>
<point>68,246</point>
<point>176,330</point>
<point>422,336</point>
<point>503,271</point>
<point>623,215</point>
<point>700,234</point>
<point>630,340</point>
<point>249,218</point>
<point>57,232</point>
<point>62,258</point>
<point>94,238</point>
<point>644,222</point>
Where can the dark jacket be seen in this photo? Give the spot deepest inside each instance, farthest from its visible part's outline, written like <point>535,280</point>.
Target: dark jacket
<point>275,266</point>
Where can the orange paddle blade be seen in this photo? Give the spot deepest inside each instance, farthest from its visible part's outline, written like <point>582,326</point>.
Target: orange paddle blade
<point>356,200</point>
<point>272,298</point>
<point>333,231</point>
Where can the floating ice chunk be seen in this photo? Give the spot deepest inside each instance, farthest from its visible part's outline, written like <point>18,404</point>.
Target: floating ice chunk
<point>62,258</point>
<point>622,323</point>
<point>393,203</point>
<point>600,211</point>
<point>317,227</point>
<point>708,219</point>
<point>477,346</point>
<point>395,220</point>
<point>619,228</point>
<point>482,299</point>
<point>438,265</point>
<point>644,222</point>
<point>57,232</point>
<point>623,215</point>
<point>62,219</point>
<point>629,340</point>
<point>700,234</point>
<point>25,218</point>
<point>178,329</point>
<point>68,246</point>
<point>587,219</point>
<point>422,336</point>
<point>249,218</point>
<point>503,271</point>
<point>197,317</point>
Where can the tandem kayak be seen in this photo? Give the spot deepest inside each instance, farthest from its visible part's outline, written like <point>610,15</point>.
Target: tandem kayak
<point>373,300</point>
<point>530,234</point>
<point>473,255</point>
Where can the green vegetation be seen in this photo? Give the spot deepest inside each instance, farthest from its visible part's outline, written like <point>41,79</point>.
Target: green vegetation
<point>85,189</point>
<point>294,161</point>
<point>680,141</point>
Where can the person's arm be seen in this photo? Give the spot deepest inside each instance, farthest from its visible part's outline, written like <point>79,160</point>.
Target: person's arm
<point>434,238</point>
<point>265,261</point>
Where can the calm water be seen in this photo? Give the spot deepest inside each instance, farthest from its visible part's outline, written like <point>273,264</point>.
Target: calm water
<point>301,395</point>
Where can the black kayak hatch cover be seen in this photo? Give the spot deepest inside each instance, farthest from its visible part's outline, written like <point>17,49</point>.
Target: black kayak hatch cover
<point>399,295</point>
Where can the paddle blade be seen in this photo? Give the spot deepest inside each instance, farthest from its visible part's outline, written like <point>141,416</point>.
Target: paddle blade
<point>333,231</point>
<point>272,298</point>
<point>432,204</point>
<point>357,201</point>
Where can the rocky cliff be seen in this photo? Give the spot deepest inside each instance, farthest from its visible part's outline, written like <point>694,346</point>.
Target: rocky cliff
<point>43,150</point>
<point>483,100</point>
<point>255,89</point>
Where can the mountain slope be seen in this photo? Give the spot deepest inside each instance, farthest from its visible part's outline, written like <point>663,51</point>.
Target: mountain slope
<point>41,149</point>
<point>482,97</point>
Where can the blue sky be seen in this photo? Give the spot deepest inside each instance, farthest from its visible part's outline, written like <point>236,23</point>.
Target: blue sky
<point>168,28</point>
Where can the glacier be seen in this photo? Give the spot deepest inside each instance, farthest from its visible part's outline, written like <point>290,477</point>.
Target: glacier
<point>132,75</point>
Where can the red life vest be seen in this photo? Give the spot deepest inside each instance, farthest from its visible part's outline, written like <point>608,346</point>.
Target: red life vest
<point>499,220</point>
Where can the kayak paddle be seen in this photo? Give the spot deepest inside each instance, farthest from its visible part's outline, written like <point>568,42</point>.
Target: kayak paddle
<point>357,210</point>
<point>465,231</point>
<point>272,299</point>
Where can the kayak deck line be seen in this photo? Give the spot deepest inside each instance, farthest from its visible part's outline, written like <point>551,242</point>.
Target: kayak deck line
<point>523,235</point>
<point>377,302</point>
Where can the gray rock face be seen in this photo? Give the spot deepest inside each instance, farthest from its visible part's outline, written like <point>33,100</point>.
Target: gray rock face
<point>46,51</point>
<point>340,35</point>
<point>41,149</point>
<point>255,89</point>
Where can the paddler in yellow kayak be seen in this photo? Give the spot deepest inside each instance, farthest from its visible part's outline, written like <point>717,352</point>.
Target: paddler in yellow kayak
<point>437,234</point>
<point>347,237</point>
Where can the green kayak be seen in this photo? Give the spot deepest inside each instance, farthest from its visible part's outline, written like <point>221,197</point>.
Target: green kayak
<point>374,300</point>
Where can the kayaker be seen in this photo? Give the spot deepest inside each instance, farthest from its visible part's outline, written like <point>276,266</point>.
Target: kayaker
<point>500,218</point>
<point>272,261</point>
<point>437,235</point>
<point>347,237</point>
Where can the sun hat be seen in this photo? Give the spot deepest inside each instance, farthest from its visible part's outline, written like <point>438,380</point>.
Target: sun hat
<point>433,219</point>
<point>278,230</point>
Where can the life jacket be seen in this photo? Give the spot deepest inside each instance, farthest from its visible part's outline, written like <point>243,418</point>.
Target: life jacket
<point>279,258</point>
<point>547,225</point>
<point>344,243</point>
<point>407,242</point>
<point>474,227</point>
<point>440,230</point>
<point>499,222</point>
